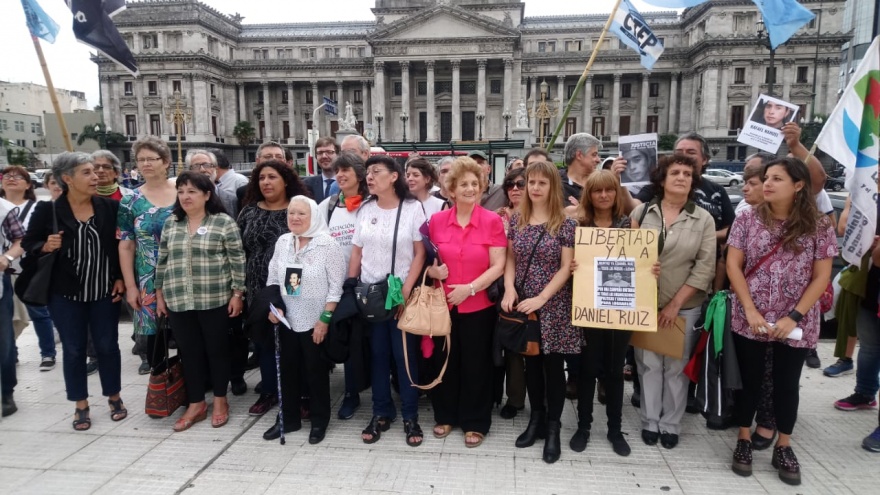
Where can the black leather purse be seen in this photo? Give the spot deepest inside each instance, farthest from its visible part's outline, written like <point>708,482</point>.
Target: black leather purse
<point>371,298</point>
<point>32,286</point>
<point>517,331</point>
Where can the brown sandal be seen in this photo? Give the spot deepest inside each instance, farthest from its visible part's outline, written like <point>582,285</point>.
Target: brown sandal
<point>472,434</point>
<point>447,429</point>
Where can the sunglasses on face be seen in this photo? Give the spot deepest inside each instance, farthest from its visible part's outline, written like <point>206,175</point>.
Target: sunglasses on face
<point>519,184</point>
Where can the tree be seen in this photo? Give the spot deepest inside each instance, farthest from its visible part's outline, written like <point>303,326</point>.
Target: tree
<point>102,136</point>
<point>245,133</point>
<point>666,142</point>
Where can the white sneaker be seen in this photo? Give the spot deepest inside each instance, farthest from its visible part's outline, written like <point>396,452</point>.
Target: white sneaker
<point>47,364</point>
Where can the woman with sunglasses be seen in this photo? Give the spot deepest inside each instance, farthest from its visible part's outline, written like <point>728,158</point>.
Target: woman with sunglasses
<point>687,255</point>
<point>19,190</point>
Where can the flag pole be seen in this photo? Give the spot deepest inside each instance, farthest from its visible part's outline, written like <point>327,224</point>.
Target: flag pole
<point>61,125</point>
<point>583,79</point>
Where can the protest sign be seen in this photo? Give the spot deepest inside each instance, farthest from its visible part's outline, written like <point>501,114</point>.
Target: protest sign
<point>763,130</point>
<point>640,152</point>
<point>613,285</point>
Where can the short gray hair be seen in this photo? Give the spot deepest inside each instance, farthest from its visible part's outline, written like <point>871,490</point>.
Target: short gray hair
<point>66,163</point>
<point>444,161</point>
<point>197,151</point>
<point>362,143</point>
<point>112,158</point>
<point>704,145</point>
<point>582,142</point>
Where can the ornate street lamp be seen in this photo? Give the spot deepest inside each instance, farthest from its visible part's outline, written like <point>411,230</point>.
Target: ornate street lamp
<point>506,116</point>
<point>480,117</point>
<point>178,117</point>
<point>765,40</point>
<point>379,120</point>
<point>403,118</point>
<point>544,111</point>
<point>102,135</point>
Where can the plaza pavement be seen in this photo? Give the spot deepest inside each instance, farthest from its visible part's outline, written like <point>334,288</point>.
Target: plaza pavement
<point>40,452</point>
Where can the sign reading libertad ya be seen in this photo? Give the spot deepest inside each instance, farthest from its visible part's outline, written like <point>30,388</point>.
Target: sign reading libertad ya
<point>613,284</point>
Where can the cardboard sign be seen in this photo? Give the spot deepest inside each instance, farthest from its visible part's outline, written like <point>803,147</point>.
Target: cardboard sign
<point>668,341</point>
<point>613,285</point>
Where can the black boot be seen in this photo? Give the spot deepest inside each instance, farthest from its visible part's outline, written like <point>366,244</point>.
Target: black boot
<point>552,450</point>
<point>537,429</point>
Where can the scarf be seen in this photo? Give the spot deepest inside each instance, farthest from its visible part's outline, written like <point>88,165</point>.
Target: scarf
<point>108,190</point>
<point>352,203</point>
<point>317,226</point>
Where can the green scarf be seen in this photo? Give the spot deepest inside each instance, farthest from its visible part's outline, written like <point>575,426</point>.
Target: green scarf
<point>108,190</point>
<point>716,314</point>
<point>395,292</point>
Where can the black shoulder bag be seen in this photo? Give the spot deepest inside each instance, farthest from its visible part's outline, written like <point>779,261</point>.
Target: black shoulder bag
<point>371,297</point>
<point>517,331</point>
<point>32,286</point>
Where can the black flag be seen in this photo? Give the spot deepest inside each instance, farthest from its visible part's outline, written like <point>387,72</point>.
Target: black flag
<point>92,26</point>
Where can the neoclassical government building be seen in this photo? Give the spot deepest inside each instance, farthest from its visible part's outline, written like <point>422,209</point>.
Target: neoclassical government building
<point>449,71</point>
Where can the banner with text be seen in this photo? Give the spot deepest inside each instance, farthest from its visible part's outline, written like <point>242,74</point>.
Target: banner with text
<point>613,285</point>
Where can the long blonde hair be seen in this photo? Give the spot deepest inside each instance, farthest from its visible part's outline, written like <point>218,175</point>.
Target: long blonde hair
<point>554,199</point>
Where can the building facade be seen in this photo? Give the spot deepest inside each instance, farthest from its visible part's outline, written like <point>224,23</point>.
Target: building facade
<point>450,71</point>
<point>33,99</point>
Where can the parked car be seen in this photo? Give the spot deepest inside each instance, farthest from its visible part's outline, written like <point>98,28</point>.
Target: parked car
<point>35,180</point>
<point>723,177</point>
<point>834,184</point>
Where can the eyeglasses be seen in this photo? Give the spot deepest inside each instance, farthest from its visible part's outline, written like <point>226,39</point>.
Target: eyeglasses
<point>197,166</point>
<point>272,157</point>
<point>519,184</point>
<point>13,177</point>
<point>149,160</point>
<point>325,152</point>
<point>104,166</point>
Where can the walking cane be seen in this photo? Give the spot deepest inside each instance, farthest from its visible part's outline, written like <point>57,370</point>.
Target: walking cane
<point>278,379</point>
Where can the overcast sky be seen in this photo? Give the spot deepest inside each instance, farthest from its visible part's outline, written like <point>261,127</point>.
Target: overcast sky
<point>71,68</point>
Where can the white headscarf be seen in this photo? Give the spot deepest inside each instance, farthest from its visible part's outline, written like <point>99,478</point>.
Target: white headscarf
<point>317,226</point>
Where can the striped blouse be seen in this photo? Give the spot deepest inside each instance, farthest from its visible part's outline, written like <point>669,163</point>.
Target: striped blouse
<point>91,263</point>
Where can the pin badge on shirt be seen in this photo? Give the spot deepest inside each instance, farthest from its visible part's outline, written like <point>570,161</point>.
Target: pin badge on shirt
<point>374,221</point>
<point>202,230</point>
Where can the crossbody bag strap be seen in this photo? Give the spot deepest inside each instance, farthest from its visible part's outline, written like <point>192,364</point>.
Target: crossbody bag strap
<point>439,379</point>
<point>25,210</point>
<point>394,242</point>
<point>763,259</point>
<point>531,256</point>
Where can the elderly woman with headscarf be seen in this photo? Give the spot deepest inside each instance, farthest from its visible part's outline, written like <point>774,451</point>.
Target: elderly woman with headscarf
<point>311,253</point>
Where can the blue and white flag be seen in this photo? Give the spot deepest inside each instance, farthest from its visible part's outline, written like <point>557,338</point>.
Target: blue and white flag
<point>38,21</point>
<point>330,106</point>
<point>783,18</point>
<point>628,25</point>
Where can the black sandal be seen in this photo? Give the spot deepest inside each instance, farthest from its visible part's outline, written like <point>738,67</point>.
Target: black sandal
<point>82,422</point>
<point>118,412</point>
<point>412,429</point>
<point>377,425</point>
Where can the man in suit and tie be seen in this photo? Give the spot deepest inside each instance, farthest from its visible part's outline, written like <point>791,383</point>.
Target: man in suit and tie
<point>324,184</point>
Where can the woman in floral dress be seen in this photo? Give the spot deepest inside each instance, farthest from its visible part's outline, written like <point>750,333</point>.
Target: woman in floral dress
<point>541,285</point>
<point>140,219</point>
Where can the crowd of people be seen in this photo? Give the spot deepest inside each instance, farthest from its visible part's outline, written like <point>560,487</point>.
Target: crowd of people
<point>209,250</point>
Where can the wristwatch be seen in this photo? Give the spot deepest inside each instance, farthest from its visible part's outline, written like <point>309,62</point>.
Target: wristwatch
<point>796,316</point>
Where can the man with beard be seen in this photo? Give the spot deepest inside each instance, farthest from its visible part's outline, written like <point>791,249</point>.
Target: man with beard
<point>324,184</point>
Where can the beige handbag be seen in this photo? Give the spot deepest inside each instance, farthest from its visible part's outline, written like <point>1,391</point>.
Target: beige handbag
<point>426,313</point>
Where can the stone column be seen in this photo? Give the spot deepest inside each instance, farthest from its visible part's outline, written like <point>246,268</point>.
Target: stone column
<point>379,100</point>
<point>560,107</point>
<point>588,102</point>
<point>757,79</point>
<point>267,110</point>
<point>456,100</point>
<point>201,102</point>
<point>673,104</point>
<point>787,79</point>
<point>481,85</point>
<point>404,99</point>
<point>291,113</point>
<point>832,87</point>
<point>139,90</point>
<point>221,118</point>
<point>615,104</point>
<point>365,101</point>
<point>523,91</point>
<point>340,102</point>
<point>106,101</point>
<point>429,64</point>
<point>242,102</point>
<point>819,84</point>
<point>709,114</point>
<point>685,121</point>
<point>723,111</point>
<point>508,86</point>
<point>643,105</point>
